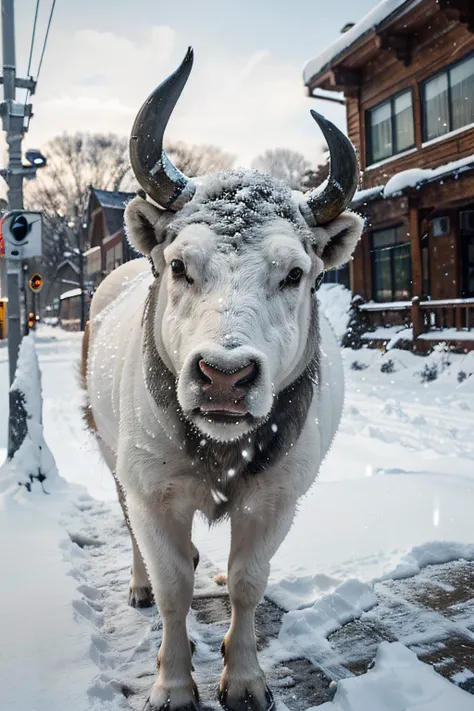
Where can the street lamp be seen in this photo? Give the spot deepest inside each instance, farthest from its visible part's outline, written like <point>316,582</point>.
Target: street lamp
<point>36,158</point>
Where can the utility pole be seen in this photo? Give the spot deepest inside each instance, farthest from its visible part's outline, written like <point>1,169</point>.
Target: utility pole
<point>13,119</point>
<point>13,115</point>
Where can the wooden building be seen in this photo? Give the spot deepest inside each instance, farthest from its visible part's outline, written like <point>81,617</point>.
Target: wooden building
<point>109,247</point>
<point>406,72</point>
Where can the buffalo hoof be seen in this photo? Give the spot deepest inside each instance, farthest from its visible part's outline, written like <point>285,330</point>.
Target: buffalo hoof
<point>192,706</point>
<point>177,700</point>
<point>140,597</point>
<point>248,701</point>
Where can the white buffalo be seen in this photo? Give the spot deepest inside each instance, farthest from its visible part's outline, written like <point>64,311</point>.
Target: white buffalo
<point>214,384</point>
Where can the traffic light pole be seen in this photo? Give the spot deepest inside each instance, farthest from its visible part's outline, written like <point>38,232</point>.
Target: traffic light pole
<point>13,118</point>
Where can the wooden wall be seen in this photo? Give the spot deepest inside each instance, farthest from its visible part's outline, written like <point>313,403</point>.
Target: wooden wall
<point>436,46</point>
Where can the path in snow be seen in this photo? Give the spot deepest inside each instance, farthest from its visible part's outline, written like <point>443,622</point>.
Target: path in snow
<point>431,614</point>
<point>125,641</point>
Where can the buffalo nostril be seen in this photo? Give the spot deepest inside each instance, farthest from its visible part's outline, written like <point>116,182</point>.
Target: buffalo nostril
<point>222,380</point>
<point>205,371</point>
<point>247,375</point>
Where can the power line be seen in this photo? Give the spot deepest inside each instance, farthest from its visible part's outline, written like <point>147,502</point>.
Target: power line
<point>33,37</point>
<point>45,39</point>
<point>42,51</point>
<point>32,45</point>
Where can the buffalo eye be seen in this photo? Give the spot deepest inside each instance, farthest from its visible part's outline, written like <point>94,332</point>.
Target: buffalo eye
<point>178,269</point>
<point>293,277</point>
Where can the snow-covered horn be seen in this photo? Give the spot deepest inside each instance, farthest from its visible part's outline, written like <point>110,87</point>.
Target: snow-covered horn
<point>157,175</point>
<point>326,202</point>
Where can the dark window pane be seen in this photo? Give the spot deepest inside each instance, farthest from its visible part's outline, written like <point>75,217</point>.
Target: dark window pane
<point>404,127</point>
<point>383,287</point>
<point>338,275</point>
<point>381,132</point>
<point>462,93</point>
<point>384,238</point>
<point>391,264</point>
<point>401,272</point>
<point>436,107</point>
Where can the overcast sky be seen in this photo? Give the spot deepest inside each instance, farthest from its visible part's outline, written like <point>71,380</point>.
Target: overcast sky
<point>245,93</point>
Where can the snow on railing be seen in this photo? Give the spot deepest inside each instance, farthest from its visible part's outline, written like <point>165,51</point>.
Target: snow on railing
<point>385,306</point>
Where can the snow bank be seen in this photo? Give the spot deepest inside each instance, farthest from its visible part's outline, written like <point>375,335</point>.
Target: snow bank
<point>398,682</point>
<point>335,302</point>
<point>383,10</point>
<point>32,459</point>
<point>45,658</point>
<point>432,553</point>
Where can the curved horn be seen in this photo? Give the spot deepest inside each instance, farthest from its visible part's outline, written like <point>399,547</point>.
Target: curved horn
<point>325,203</point>
<point>159,178</point>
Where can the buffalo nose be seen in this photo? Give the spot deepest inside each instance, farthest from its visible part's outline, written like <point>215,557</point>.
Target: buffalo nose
<point>220,381</point>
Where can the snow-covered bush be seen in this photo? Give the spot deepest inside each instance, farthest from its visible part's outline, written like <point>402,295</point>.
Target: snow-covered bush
<point>429,373</point>
<point>357,326</point>
<point>357,365</point>
<point>388,366</point>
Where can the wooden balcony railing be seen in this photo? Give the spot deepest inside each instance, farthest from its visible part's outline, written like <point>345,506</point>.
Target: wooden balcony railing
<point>457,315</point>
<point>428,316</point>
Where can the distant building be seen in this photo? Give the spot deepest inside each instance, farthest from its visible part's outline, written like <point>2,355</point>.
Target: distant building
<point>109,247</point>
<point>66,278</point>
<point>407,74</point>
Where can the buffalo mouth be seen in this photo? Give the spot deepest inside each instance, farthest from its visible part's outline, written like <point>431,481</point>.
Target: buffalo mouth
<point>223,414</point>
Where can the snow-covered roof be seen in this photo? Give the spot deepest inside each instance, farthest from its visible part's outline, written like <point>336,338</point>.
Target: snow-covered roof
<point>70,294</point>
<point>416,177</point>
<point>112,198</point>
<point>368,23</point>
<point>413,178</point>
<point>68,262</point>
<point>362,196</point>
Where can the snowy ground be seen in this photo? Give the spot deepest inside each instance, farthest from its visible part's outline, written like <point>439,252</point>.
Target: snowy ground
<point>400,476</point>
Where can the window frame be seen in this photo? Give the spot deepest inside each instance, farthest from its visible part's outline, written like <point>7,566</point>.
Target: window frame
<point>368,127</point>
<point>424,123</point>
<point>392,271</point>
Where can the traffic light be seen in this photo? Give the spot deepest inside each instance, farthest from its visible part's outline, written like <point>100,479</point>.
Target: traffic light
<point>31,320</point>
<point>21,234</point>
<point>36,283</point>
<point>20,228</point>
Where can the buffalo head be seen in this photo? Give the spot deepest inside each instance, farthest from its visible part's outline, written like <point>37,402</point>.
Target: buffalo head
<point>237,257</point>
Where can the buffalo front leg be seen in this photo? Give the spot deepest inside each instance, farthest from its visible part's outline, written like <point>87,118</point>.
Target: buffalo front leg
<point>163,532</point>
<point>140,594</point>
<point>256,536</point>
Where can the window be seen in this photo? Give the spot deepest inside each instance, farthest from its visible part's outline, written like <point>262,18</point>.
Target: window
<point>449,100</point>
<point>338,275</point>
<point>391,262</point>
<point>390,128</point>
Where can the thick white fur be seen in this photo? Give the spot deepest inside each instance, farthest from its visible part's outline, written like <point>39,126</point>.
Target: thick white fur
<point>235,295</point>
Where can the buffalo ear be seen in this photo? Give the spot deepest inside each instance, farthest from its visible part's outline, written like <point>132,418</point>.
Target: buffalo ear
<point>144,224</point>
<point>336,245</point>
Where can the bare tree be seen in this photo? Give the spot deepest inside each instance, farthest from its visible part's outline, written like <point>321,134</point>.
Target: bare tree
<point>199,159</point>
<point>314,178</point>
<point>61,189</point>
<point>190,160</point>
<point>283,164</point>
